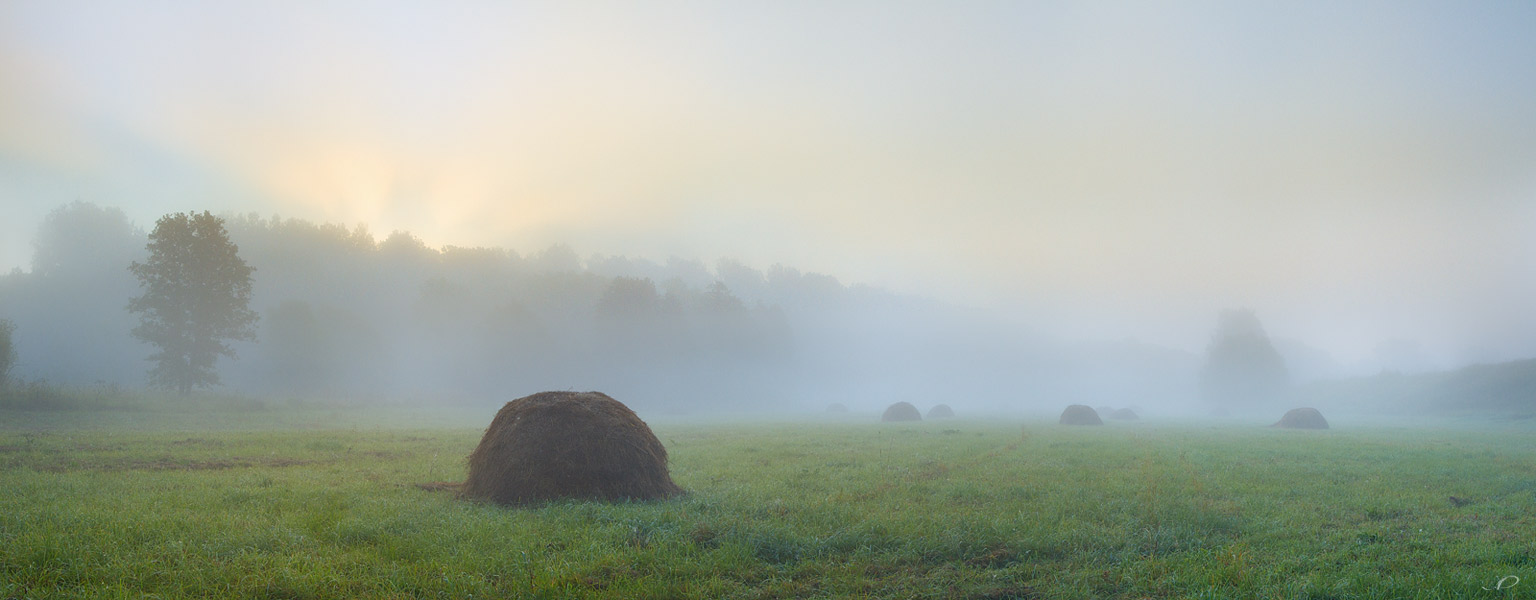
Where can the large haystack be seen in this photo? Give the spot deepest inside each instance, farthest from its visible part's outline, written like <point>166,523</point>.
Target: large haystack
<point>902,411</point>
<point>1080,414</point>
<point>555,445</point>
<point>1124,414</point>
<point>942,411</point>
<point>1302,418</point>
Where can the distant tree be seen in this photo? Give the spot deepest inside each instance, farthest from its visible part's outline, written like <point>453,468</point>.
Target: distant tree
<point>405,245</point>
<point>633,323</point>
<point>70,305</point>
<point>197,292</point>
<point>83,242</point>
<point>629,299</point>
<point>748,281</point>
<point>557,258</point>
<point>295,340</point>
<point>1242,368</point>
<point>719,299</point>
<point>7,352</point>
<point>724,325</point>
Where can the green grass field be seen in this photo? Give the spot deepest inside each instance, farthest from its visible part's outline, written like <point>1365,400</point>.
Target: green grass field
<point>294,504</point>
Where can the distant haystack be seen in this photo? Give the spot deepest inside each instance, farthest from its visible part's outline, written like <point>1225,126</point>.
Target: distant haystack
<point>1302,418</point>
<point>1080,414</point>
<point>942,411</point>
<point>837,408</point>
<point>555,445</point>
<point>901,411</point>
<point>1124,414</point>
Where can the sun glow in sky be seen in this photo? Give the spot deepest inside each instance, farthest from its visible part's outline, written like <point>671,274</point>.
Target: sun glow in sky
<point>1356,172</point>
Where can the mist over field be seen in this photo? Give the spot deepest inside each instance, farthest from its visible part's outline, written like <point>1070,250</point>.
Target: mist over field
<point>747,208</point>
<point>882,299</point>
<point>346,316</point>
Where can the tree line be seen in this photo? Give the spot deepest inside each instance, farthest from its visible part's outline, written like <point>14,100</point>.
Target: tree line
<point>318,310</point>
<point>321,310</point>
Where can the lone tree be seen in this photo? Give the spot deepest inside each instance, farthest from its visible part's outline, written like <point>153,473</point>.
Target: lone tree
<point>1242,368</point>
<point>197,292</point>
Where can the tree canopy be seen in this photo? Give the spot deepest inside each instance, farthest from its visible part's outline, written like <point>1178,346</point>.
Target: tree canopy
<point>1242,368</point>
<point>196,296</point>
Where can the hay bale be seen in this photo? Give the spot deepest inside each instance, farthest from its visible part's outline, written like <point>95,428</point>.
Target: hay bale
<point>557,445</point>
<point>942,411</point>
<point>901,411</point>
<point>1124,414</point>
<point>1302,418</point>
<point>1080,414</point>
<point>837,408</point>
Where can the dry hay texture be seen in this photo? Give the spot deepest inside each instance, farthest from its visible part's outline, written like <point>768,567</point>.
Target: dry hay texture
<point>1124,414</point>
<point>901,411</point>
<point>557,445</point>
<point>1080,414</point>
<point>942,411</point>
<point>1302,418</point>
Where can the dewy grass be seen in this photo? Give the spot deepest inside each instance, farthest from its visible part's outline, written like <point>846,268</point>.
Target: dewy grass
<point>950,509</point>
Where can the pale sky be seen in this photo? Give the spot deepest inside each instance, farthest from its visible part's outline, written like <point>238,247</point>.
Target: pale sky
<point>1356,172</point>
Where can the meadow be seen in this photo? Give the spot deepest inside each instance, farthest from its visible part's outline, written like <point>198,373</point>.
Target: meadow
<point>306,503</point>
